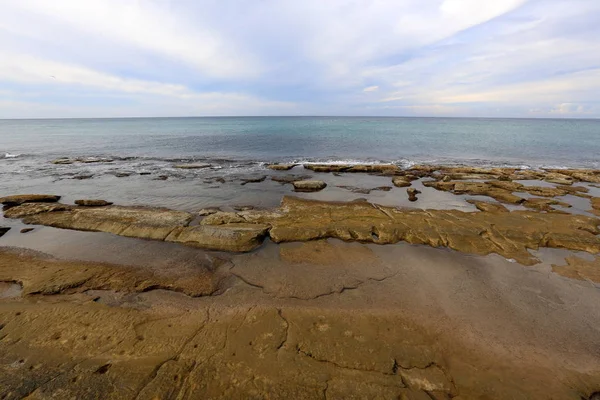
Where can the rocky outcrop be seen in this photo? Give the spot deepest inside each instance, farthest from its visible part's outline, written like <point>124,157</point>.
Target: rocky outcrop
<point>544,204</point>
<point>192,166</point>
<point>488,207</point>
<point>309,186</point>
<point>29,209</point>
<point>365,168</point>
<point>237,237</point>
<point>281,167</point>
<point>355,189</point>
<point>401,181</point>
<point>208,211</point>
<point>140,222</point>
<point>580,269</point>
<point>509,234</point>
<point>28,198</point>
<point>290,178</point>
<point>476,189</point>
<point>93,203</point>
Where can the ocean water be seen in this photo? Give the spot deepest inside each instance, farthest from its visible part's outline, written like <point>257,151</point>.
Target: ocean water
<point>143,149</point>
<point>532,142</point>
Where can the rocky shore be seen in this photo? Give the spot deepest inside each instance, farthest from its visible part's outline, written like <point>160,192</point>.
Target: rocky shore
<point>303,301</point>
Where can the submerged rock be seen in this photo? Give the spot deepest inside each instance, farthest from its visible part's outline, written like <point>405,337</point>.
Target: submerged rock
<point>309,186</point>
<point>192,166</point>
<point>27,230</point>
<point>368,168</point>
<point>281,167</point>
<point>290,178</point>
<point>28,198</point>
<point>93,203</point>
<point>253,180</point>
<point>412,194</point>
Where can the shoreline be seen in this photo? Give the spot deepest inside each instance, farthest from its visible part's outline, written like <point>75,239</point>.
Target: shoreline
<point>96,307</point>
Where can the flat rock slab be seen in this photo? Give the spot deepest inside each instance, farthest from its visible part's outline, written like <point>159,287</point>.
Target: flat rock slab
<point>509,234</point>
<point>93,203</point>
<point>28,198</point>
<point>309,186</point>
<point>192,166</point>
<point>281,167</point>
<point>231,237</point>
<point>139,222</point>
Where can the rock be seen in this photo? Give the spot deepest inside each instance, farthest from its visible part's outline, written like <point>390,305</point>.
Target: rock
<point>446,178</point>
<point>3,230</point>
<point>27,230</point>
<point>82,177</point>
<point>544,204</point>
<point>192,166</point>
<point>401,181</point>
<point>27,209</point>
<point>140,222</point>
<point>161,178</point>
<point>558,178</point>
<point>230,237</point>
<point>309,186</point>
<point>208,211</point>
<point>580,269</point>
<point>290,178</point>
<point>243,208</point>
<point>253,180</point>
<point>365,168</point>
<point>28,198</point>
<point>93,160</point>
<point>122,174</point>
<point>355,189</point>
<point>488,207</point>
<point>477,189</point>
<point>508,234</point>
<point>595,205</point>
<point>145,173</point>
<point>281,167</point>
<point>412,194</point>
<point>63,161</point>
<point>93,203</point>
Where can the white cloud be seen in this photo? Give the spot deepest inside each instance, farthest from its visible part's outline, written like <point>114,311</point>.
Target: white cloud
<point>149,25</point>
<point>371,89</point>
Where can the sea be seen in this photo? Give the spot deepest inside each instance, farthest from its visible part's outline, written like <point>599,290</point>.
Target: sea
<point>134,155</point>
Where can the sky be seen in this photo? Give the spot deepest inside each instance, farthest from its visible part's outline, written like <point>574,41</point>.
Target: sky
<point>460,58</point>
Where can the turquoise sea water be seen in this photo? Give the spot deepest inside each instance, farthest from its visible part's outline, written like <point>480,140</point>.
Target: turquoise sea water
<point>520,142</point>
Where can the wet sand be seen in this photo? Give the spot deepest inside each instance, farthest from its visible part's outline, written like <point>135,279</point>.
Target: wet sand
<point>316,319</point>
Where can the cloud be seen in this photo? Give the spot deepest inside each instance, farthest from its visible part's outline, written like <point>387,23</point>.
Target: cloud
<point>371,89</point>
<point>425,57</point>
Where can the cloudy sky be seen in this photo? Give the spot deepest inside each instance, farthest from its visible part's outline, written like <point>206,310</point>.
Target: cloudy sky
<point>104,58</point>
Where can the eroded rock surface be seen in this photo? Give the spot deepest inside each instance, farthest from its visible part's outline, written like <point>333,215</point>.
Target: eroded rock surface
<point>309,186</point>
<point>579,268</point>
<point>28,198</point>
<point>367,168</point>
<point>281,167</point>
<point>93,203</point>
